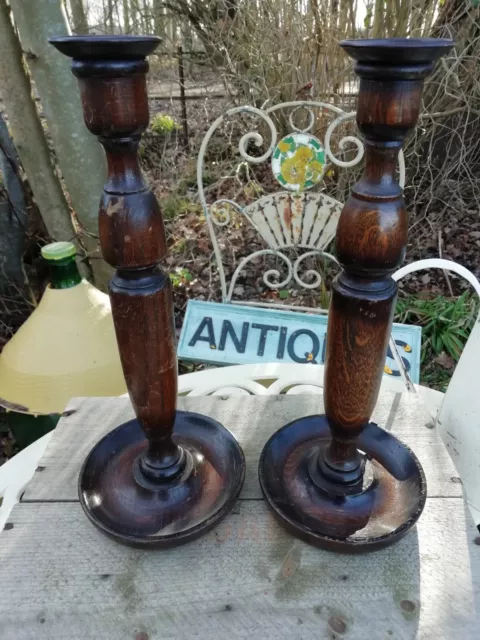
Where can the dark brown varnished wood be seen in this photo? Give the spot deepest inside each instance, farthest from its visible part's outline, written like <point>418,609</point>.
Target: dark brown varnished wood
<point>309,506</point>
<point>316,480</point>
<point>166,477</point>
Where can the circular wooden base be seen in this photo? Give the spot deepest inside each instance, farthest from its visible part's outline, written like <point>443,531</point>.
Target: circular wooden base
<point>391,501</point>
<point>146,513</point>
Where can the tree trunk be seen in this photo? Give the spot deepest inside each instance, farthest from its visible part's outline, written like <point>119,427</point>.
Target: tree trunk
<point>449,142</point>
<point>378,17</point>
<point>28,135</point>
<point>81,159</point>
<point>79,18</point>
<point>146,17</point>
<point>158,18</point>
<point>126,16</point>
<point>110,21</point>
<point>134,16</point>
<point>13,214</point>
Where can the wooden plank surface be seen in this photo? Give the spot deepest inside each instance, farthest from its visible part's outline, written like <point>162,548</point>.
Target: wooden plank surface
<point>248,578</point>
<point>60,578</point>
<point>253,419</point>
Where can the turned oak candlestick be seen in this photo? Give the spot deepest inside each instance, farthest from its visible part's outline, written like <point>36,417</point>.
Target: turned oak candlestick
<point>338,480</point>
<point>140,484</point>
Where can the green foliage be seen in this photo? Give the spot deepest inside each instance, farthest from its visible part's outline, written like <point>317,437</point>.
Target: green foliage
<point>324,295</point>
<point>435,377</point>
<point>446,323</point>
<point>181,277</point>
<point>164,124</point>
<point>283,294</point>
<point>253,190</point>
<point>188,182</point>
<point>173,206</point>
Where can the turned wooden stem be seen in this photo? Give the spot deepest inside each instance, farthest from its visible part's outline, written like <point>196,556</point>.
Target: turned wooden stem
<point>112,80</point>
<point>370,244</point>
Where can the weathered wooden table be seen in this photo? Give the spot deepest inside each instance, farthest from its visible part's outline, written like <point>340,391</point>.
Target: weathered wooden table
<point>61,578</point>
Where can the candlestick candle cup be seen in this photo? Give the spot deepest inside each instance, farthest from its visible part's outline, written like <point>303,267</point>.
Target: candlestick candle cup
<point>339,481</point>
<point>168,476</point>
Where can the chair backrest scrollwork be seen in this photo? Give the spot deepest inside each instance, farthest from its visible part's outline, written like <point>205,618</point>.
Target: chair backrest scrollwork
<point>301,216</point>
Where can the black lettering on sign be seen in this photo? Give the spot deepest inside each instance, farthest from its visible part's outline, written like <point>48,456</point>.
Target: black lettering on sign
<point>407,348</point>
<point>228,330</point>
<point>264,329</point>
<point>207,324</point>
<point>281,343</point>
<point>309,355</point>
<point>324,350</point>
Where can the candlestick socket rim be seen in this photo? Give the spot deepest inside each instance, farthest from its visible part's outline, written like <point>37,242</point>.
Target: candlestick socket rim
<point>140,512</point>
<point>397,51</point>
<point>94,47</point>
<point>371,516</point>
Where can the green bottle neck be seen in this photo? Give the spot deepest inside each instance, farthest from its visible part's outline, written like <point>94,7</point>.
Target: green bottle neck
<point>64,274</point>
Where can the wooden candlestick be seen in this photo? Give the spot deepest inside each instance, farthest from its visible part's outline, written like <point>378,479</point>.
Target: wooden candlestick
<point>339,481</point>
<point>160,490</point>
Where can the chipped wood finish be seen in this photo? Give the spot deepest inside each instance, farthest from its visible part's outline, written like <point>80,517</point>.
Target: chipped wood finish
<point>132,235</point>
<point>164,489</point>
<point>339,481</point>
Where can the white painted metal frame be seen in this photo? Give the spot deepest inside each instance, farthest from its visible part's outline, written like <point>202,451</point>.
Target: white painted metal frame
<point>319,212</point>
<point>420,265</point>
<point>320,208</point>
<point>311,231</point>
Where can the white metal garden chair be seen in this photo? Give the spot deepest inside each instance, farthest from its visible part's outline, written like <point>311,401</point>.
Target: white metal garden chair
<point>301,216</point>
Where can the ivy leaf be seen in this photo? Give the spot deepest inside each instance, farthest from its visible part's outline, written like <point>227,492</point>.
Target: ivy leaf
<point>283,294</point>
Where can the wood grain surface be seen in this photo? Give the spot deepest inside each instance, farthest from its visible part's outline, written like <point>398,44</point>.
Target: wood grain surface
<point>60,578</point>
<point>371,236</point>
<point>158,492</point>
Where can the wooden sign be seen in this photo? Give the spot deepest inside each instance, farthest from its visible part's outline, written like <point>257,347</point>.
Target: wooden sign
<point>225,334</point>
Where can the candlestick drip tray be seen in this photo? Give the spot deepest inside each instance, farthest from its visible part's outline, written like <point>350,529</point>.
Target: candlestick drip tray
<point>146,513</point>
<point>382,510</point>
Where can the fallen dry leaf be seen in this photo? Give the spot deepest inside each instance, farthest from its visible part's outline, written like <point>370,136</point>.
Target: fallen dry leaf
<point>445,361</point>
